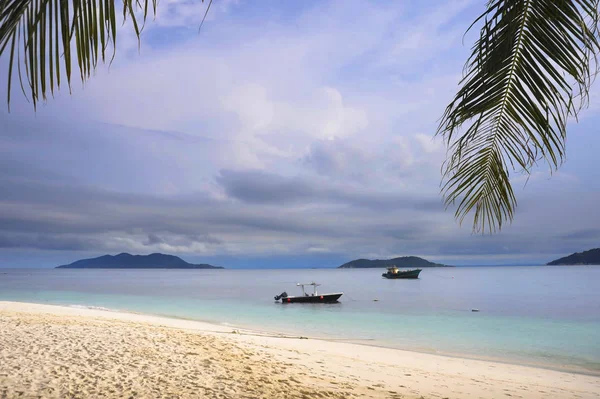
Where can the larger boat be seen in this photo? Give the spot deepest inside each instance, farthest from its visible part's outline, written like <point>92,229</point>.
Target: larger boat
<point>313,297</point>
<point>394,272</point>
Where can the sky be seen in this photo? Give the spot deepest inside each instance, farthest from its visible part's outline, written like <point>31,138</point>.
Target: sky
<point>283,134</point>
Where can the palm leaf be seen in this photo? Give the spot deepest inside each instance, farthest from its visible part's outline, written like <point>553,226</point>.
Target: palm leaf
<point>529,71</point>
<point>44,31</point>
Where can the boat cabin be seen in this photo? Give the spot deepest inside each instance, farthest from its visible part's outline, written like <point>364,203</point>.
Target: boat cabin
<point>392,270</point>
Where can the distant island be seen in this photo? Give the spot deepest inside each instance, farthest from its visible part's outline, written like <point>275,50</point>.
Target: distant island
<point>591,257</point>
<point>403,261</point>
<point>128,261</point>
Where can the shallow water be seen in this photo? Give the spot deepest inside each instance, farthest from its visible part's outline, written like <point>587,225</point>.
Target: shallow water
<point>548,316</point>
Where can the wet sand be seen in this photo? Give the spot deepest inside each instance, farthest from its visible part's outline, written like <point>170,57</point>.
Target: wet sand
<point>60,352</point>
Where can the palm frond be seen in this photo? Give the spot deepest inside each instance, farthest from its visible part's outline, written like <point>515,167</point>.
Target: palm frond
<point>529,71</point>
<point>47,36</point>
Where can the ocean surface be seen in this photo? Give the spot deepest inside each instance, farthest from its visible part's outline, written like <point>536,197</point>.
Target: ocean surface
<point>543,316</point>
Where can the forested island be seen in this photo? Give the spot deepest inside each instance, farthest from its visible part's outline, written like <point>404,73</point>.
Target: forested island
<point>403,261</point>
<point>591,257</point>
<point>128,261</point>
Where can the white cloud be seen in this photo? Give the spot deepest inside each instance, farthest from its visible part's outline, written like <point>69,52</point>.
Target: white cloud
<point>422,38</point>
<point>251,105</point>
<point>189,13</point>
<point>428,143</point>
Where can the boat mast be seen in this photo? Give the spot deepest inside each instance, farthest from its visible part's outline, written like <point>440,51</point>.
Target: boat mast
<point>302,286</point>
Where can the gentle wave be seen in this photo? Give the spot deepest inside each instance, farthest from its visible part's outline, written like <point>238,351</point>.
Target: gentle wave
<point>94,308</point>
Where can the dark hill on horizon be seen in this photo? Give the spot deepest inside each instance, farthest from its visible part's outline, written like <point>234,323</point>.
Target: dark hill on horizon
<point>403,261</point>
<point>590,257</point>
<point>128,261</point>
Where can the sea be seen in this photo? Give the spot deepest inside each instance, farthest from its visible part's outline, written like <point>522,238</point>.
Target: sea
<point>533,315</point>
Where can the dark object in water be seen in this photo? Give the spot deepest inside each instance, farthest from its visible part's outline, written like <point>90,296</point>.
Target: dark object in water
<point>394,272</point>
<point>309,298</point>
<point>474,310</point>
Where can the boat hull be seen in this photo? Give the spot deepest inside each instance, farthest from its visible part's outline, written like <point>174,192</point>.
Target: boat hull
<point>325,298</point>
<point>409,274</point>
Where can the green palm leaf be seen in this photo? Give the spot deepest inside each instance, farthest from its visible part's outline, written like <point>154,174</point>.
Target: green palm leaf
<point>529,71</point>
<point>39,36</point>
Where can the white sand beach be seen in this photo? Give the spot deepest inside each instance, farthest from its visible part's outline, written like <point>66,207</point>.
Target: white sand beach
<point>62,352</point>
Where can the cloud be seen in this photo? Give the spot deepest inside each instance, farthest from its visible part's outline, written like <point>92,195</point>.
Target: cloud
<point>282,130</point>
<point>154,239</point>
<point>188,13</point>
<point>341,222</point>
<point>261,187</point>
<point>267,188</point>
<point>429,145</point>
<point>423,37</point>
<point>46,242</point>
<point>252,106</point>
<point>340,158</point>
<point>585,234</point>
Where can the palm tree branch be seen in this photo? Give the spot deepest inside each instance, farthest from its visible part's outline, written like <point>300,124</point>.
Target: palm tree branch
<point>533,58</point>
<point>48,36</point>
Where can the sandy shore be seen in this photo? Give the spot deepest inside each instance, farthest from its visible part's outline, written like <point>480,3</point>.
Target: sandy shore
<point>61,352</point>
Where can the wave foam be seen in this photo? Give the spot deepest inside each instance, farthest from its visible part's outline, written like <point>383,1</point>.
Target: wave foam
<point>93,308</point>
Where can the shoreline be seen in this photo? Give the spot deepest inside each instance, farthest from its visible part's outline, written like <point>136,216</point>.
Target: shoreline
<point>329,368</point>
<point>373,343</point>
<point>275,333</point>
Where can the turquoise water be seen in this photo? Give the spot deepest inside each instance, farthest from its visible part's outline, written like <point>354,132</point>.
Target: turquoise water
<point>548,316</point>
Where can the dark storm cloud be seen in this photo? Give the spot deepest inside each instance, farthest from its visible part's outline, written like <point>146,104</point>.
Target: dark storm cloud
<point>185,240</point>
<point>57,215</point>
<point>206,238</point>
<point>42,215</point>
<point>38,206</point>
<point>49,242</point>
<point>335,157</point>
<point>260,187</point>
<point>154,239</point>
<point>45,211</point>
<point>403,232</point>
<point>17,169</point>
<point>587,234</point>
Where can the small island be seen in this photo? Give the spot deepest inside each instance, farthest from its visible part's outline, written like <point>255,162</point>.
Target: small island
<point>402,262</point>
<point>591,257</point>
<point>128,261</point>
